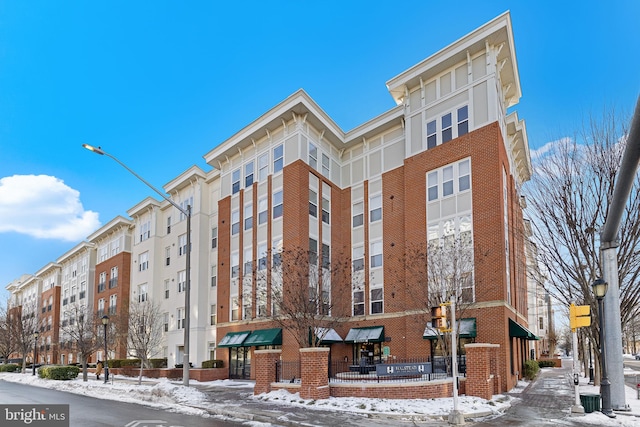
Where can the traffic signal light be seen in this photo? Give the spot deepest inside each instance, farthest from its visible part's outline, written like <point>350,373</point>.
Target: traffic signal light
<point>579,316</point>
<point>439,317</point>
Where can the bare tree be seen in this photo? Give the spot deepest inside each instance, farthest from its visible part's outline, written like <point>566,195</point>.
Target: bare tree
<point>144,332</point>
<point>81,329</point>
<point>568,200</point>
<point>308,292</point>
<point>7,338</point>
<point>23,328</point>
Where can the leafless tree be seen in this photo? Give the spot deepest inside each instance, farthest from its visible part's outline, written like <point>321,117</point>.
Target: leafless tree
<point>24,326</point>
<point>81,329</point>
<point>144,332</point>
<point>568,200</point>
<point>7,338</point>
<point>309,292</point>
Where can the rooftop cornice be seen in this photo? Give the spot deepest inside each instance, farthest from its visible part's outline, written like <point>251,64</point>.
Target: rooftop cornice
<point>82,246</point>
<point>146,204</point>
<point>113,225</point>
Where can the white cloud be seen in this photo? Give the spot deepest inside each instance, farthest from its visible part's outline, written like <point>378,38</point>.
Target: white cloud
<point>44,207</point>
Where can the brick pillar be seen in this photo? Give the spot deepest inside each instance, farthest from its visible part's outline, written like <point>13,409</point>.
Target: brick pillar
<point>479,378</point>
<point>265,365</point>
<point>314,369</point>
<point>495,370</point>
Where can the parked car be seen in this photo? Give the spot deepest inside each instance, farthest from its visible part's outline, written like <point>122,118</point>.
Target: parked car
<point>638,356</point>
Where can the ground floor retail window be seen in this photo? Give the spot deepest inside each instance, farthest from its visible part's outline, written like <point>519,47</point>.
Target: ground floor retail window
<point>368,353</point>
<point>438,348</point>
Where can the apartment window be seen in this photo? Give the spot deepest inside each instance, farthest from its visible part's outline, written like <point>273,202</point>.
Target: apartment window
<point>447,181</point>
<point>182,244</point>
<point>83,292</point>
<point>376,254</point>
<point>278,158</point>
<point>214,275</point>
<point>447,131</point>
<point>113,280</point>
<point>72,298</point>
<point>277,204</point>
<point>326,256</point>
<point>326,208</point>
<point>325,165</point>
<point>143,261</point>
<point>169,225</point>
<point>235,310</point>
<point>313,156</point>
<point>235,181</point>
<point>182,280</point>
<point>235,222</point>
<point>113,303</point>
<point>145,230</point>
<point>313,203</point>
<point>263,167</point>
<point>248,174</point>
<point>313,251</point>
<point>235,264</point>
<point>166,288</point>
<point>213,319</point>
<point>214,237</point>
<point>103,253</point>
<point>142,293</point>
<point>358,303</point>
<point>166,321</point>
<point>432,137</point>
<point>263,213</point>
<point>541,322</point>
<point>432,186</point>
<point>376,301</point>
<point>248,216</point>
<point>167,255</point>
<point>464,175</point>
<point>180,317</point>
<point>65,299</point>
<point>102,281</point>
<point>186,206</point>
<point>463,120</point>
<point>100,307</point>
<point>248,263</point>
<point>358,214</point>
<point>375,208</point>
<point>115,249</point>
<point>358,258</point>
<point>262,256</point>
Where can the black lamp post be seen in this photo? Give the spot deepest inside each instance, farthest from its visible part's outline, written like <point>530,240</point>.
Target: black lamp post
<point>599,287</point>
<point>35,350</point>
<point>105,322</point>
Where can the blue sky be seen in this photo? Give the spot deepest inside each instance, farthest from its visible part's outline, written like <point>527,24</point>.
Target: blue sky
<point>160,83</point>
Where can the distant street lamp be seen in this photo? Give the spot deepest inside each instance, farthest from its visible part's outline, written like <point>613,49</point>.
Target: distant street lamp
<point>35,350</point>
<point>187,291</point>
<point>105,322</point>
<point>599,287</point>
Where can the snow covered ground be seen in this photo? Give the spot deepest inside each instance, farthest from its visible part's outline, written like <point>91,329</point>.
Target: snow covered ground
<point>190,400</point>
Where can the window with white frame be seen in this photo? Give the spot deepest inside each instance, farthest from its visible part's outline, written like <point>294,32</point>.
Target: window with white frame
<point>169,224</point>
<point>213,314</point>
<point>145,230</point>
<point>142,293</point>
<point>263,167</point>
<point>263,210</point>
<point>167,255</point>
<point>262,256</point>
<point>235,264</point>
<point>100,307</point>
<point>235,222</point>
<point>313,203</point>
<point>447,130</point>
<point>182,244</point>
<point>248,261</point>
<point>326,209</point>
<point>102,281</point>
<point>432,134</point>
<point>185,205</point>
<point>358,303</point>
<point>277,204</point>
<point>113,299</point>
<point>235,309</point>
<point>325,165</point>
<point>278,158</point>
<point>432,186</point>
<point>248,216</point>
<point>377,300</point>
<point>248,174</point>
<point>214,237</point>
<point>165,321</point>
<point>313,155</point>
<point>375,208</point>
<point>103,253</point>
<point>214,275</point>
<point>449,180</point>
<point>463,120</point>
<point>182,281</point>
<point>376,254</point>
<point>358,214</point>
<point>180,318</point>
<point>167,287</point>
<point>113,280</point>
<point>143,261</point>
<point>235,181</point>
<point>358,258</point>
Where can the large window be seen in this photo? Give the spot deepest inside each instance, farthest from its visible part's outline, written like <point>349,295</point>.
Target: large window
<point>235,181</point>
<point>449,180</point>
<point>143,261</point>
<point>113,280</point>
<point>263,167</point>
<point>113,299</point>
<point>376,300</point>
<point>278,158</point>
<point>375,208</point>
<point>277,204</point>
<point>145,230</point>
<point>248,174</point>
<point>358,303</point>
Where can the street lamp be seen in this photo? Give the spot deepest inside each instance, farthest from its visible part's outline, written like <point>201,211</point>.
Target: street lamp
<point>187,291</point>
<point>105,322</point>
<point>35,350</point>
<point>599,287</point>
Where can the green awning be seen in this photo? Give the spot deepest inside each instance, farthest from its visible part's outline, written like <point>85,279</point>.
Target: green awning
<point>468,329</point>
<point>234,339</point>
<point>368,334</point>
<point>519,331</point>
<point>264,337</point>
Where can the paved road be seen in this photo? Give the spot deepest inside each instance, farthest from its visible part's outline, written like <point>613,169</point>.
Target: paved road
<point>90,412</point>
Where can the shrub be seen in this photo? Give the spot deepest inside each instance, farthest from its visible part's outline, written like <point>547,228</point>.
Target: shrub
<point>212,363</point>
<point>58,372</point>
<point>531,369</point>
<point>158,363</point>
<point>123,363</point>
<point>546,363</point>
<point>9,367</point>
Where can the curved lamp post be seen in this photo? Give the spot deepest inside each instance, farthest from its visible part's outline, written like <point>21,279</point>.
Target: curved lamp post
<point>187,291</point>
<point>35,350</point>
<point>599,287</point>
<point>105,322</point>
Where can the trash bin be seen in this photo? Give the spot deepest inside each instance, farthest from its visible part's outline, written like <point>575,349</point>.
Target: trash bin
<point>590,402</point>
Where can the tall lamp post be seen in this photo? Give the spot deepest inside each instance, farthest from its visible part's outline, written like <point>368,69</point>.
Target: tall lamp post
<point>35,350</point>
<point>105,322</point>
<point>599,287</point>
<point>187,291</point>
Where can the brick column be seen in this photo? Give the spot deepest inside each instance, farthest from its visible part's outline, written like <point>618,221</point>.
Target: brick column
<point>265,365</point>
<point>314,369</point>
<point>479,379</point>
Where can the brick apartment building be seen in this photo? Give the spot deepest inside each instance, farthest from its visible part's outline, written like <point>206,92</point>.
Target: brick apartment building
<point>446,163</point>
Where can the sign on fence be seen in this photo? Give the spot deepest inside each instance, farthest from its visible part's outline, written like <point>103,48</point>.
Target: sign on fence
<point>403,369</point>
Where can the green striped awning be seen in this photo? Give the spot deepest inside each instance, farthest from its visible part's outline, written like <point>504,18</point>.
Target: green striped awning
<point>234,339</point>
<point>264,337</point>
<point>368,334</point>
